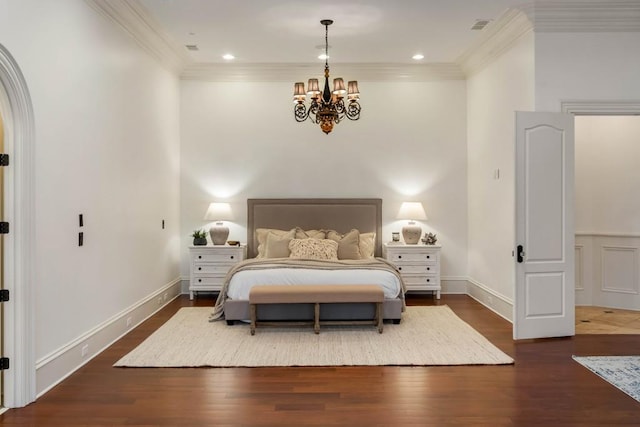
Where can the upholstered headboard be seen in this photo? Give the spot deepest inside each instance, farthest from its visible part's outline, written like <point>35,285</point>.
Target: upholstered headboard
<point>341,215</point>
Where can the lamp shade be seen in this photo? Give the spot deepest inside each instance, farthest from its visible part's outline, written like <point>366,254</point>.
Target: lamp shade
<point>298,92</point>
<point>314,88</point>
<point>354,93</point>
<point>338,87</point>
<point>412,211</point>
<point>218,212</point>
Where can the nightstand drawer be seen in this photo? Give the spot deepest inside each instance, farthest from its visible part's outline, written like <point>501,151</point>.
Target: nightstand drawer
<point>204,281</point>
<point>201,269</point>
<point>426,256</point>
<point>226,256</point>
<point>417,268</point>
<point>421,280</point>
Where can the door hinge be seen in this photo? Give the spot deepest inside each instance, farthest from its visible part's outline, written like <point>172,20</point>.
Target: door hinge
<point>4,295</point>
<point>4,363</point>
<point>4,227</point>
<point>4,159</point>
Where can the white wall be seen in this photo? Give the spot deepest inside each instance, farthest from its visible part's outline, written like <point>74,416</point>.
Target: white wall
<point>107,146</point>
<point>586,66</point>
<point>240,141</point>
<point>607,174</point>
<point>494,94</point>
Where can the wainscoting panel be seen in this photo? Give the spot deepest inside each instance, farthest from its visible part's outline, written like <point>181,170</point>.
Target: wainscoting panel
<point>579,267</point>
<point>619,268</point>
<point>608,270</point>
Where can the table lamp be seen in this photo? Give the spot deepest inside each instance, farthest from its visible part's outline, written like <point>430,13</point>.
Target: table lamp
<point>412,211</point>
<point>218,212</point>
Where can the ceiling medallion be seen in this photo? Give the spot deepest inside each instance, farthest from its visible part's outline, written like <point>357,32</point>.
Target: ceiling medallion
<point>327,107</point>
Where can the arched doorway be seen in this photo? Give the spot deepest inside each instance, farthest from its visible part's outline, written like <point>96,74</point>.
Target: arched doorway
<point>19,386</point>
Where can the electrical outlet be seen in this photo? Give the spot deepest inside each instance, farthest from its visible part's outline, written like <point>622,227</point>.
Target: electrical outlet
<point>490,300</point>
<point>85,350</point>
<point>166,296</point>
<point>129,321</point>
<point>159,300</point>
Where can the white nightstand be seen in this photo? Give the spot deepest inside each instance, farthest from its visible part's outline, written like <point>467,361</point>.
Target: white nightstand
<point>210,264</point>
<point>419,265</point>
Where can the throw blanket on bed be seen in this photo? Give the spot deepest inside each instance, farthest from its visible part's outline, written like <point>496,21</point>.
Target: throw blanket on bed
<point>271,263</point>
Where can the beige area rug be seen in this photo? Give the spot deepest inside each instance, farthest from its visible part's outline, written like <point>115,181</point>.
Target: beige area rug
<point>426,336</point>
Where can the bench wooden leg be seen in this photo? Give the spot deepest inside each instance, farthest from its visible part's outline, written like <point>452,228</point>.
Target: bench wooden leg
<point>379,317</point>
<point>252,310</point>
<point>316,318</point>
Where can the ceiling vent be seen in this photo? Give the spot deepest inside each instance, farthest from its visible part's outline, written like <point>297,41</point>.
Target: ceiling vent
<point>192,46</point>
<point>480,24</point>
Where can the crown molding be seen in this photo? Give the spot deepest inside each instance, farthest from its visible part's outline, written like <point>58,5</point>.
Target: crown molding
<point>539,16</point>
<point>499,37</point>
<point>271,72</point>
<point>600,108</point>
<point>566,16</point>
<point>135,20</point>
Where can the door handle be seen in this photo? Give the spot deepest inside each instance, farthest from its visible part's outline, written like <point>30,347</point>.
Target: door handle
<point>520,253</point>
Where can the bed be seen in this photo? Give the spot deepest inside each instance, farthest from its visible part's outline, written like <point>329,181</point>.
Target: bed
<point>302,215</point>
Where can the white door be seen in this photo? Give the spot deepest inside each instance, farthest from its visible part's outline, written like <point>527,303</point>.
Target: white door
<point>544,248</point>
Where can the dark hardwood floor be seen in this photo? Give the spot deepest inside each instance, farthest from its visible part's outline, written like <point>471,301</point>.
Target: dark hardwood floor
<point>544,387</point>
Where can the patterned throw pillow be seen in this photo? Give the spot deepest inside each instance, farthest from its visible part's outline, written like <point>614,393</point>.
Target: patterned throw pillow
<point>314,249</point>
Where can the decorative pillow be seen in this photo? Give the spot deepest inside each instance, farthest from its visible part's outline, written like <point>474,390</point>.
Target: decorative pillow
<point>314,249</point>
<point>310,234</point>
<point>348,244</point>
<point>278,246</point>
<point>261,237</point>
<point>367,245</point>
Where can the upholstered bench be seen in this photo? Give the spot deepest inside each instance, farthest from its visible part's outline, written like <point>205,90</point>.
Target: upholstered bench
<point>316,294</point>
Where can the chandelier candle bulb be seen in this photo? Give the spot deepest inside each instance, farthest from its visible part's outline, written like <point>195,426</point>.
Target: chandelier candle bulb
<point>327,107</point>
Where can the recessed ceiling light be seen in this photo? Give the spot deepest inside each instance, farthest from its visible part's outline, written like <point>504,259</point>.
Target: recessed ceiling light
<point>228,57</point>
<point>192,47</point>
<point>418,56</point>
<point>323,56</point>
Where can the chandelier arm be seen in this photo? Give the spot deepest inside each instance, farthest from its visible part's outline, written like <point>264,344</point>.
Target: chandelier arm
<point>353,110</point>
<point>300,112</point>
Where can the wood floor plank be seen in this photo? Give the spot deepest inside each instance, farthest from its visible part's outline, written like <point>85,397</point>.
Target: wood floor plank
<point>544,387</point>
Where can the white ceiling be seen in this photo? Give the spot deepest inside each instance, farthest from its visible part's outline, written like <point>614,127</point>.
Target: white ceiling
<point>289,31</point>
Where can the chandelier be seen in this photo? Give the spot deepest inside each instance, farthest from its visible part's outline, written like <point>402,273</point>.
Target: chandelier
<point>327,107</point>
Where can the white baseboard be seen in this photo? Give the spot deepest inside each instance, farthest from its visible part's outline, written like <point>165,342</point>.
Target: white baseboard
<point>59,364</point>
<point>454,285</point>
<point>494,301</point>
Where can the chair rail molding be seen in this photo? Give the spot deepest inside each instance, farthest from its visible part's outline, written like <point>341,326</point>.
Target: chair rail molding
<point>19,313</point>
